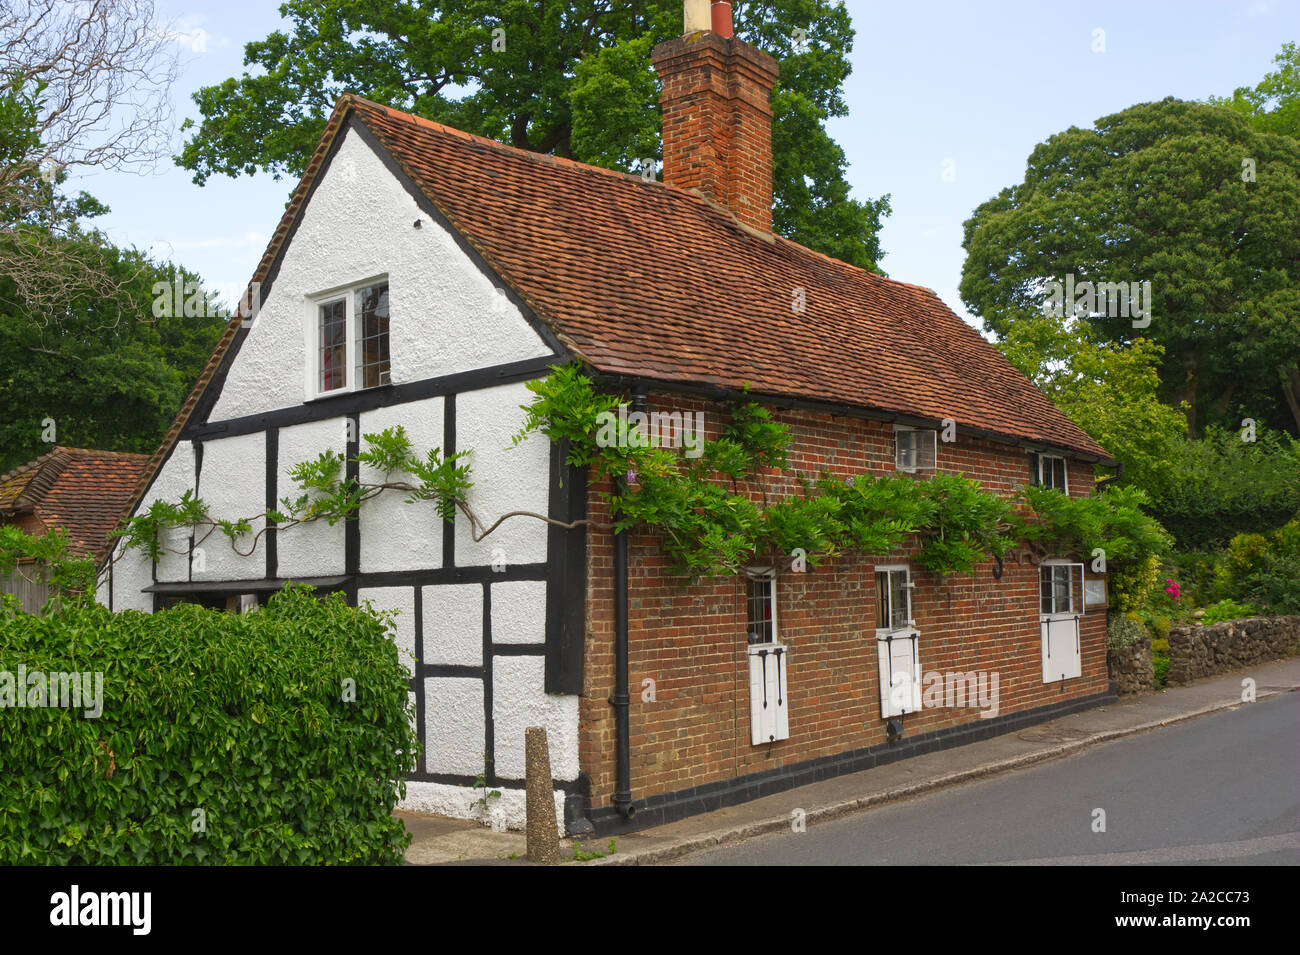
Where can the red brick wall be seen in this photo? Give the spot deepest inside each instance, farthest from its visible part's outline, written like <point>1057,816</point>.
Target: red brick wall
<point>689,639</point>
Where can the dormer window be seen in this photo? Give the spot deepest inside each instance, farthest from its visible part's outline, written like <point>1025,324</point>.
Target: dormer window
<point>1048,470</point>
<point>915,449</point>
<point>349,335</point>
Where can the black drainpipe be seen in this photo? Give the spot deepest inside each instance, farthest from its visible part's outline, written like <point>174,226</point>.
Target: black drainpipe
<point>1119,473</point>
<point>621,698</point>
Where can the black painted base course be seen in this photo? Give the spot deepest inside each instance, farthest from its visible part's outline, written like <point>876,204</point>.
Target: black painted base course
<point>669,807</point>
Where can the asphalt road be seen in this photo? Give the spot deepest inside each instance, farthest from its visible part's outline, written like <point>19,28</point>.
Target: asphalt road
<point>1223,789</point>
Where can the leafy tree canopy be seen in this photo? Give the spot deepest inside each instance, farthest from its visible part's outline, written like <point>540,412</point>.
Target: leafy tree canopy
<point>1109,390</point>
<point>572,78</point>
<point>1274,104</point>
<point>83,359</point>
<point>1188,197</point>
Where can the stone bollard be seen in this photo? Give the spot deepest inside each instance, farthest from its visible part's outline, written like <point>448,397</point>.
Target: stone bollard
<point>543,836</point>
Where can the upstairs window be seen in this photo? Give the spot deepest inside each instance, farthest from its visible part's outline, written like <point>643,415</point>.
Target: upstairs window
<point>760,604</point>
<point>350,334</point>
<point>372,336</point>
<point>915,449</point>
<point>1048,470</point>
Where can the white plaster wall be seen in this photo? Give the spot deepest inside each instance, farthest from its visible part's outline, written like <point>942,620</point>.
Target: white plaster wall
<point>233,484</point>
<point>175,477</point>
<point>446,316</point>
<point>396,535</point>
<point>453,725</point>
<point>505,478</point>
<point>509,811</point>
<point>518,702</point>
<point>402,600</point>
<point>132,570</point>
<point>453,624</point>
<point>519,611</point>
<point>315,549</point>
<point>131,574</point>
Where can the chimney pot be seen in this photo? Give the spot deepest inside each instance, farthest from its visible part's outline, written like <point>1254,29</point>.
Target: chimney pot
<point>720,17</point>
<point>696,17</point>
<point>717,115</point>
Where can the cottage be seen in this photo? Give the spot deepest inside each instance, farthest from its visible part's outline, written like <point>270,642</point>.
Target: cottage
<point>422,276</point>
<point>77,490</point>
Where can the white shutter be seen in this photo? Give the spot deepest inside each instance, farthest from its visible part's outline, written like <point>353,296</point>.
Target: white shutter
<point>769,705</point>
<point>1061,657</point>
<point>899,656</point>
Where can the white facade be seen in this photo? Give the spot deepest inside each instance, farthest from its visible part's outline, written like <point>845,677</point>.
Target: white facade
<point>471,616</point>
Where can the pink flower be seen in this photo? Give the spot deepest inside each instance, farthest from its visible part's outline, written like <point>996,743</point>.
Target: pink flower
<point>1173,590</point>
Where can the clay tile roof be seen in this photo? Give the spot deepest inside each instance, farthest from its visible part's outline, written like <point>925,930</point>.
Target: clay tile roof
<point>655,282</point>
<point>652,281</point>
<point>80,490</point>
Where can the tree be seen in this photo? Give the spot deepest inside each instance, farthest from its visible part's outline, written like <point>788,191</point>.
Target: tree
<point>105,377</point>
<point>1187,197</point>
<point>573,79</point>
<point>1111,391</point>
<point>1274,104</point>
<point>83,86</point>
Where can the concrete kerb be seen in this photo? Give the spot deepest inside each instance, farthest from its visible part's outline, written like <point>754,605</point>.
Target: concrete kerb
<point>685,846</point>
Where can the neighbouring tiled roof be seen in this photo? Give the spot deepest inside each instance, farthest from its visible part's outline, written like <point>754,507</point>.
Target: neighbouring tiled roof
<point>647,280</point>
<point>80,490</point>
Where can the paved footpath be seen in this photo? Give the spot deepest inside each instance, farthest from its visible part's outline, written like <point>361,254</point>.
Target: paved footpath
<point>440,840</point>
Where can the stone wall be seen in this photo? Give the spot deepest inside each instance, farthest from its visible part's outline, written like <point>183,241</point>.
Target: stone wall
<point>1131,668</point>
<point>1200,651</point>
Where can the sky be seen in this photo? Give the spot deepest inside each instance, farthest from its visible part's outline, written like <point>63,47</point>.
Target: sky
<point>946,101</point>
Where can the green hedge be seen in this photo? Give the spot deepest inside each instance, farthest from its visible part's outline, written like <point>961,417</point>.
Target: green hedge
<point>224,739</point>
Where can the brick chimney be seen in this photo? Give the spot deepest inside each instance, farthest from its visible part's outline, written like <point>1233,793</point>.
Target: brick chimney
<point>717,129</point>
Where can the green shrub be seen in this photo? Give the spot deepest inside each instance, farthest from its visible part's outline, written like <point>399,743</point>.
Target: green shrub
<point>1160,645</point>
<point>1125,631</point>
<point>1264,570</point>
<point>1221,486</point>
<point>1228,610</point>
<point>1160,671</point>
<point>1132,583</point>
<point>1196,573</point>
<point>1157,623</point>
<point>223,739</point>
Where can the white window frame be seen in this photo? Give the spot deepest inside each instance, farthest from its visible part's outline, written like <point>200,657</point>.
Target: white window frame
<point>1076,595</point>
<point>887,636</point>
<point>909,586</point>
<point>768,574</point>
<point>900,429</point>
<point>1044,472</point>
<point>311,336</point>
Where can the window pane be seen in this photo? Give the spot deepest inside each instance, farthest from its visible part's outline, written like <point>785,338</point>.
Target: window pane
<point>898,599</point>
<point>333,346</point>
<point>1060,588</point>
<point>1045,589</point>
<point>905,457</point>
<point>926,450</point>
<point>372,336</point>
<point>759,604</point>
<point>1058,473</point>
<point>882,600</point>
